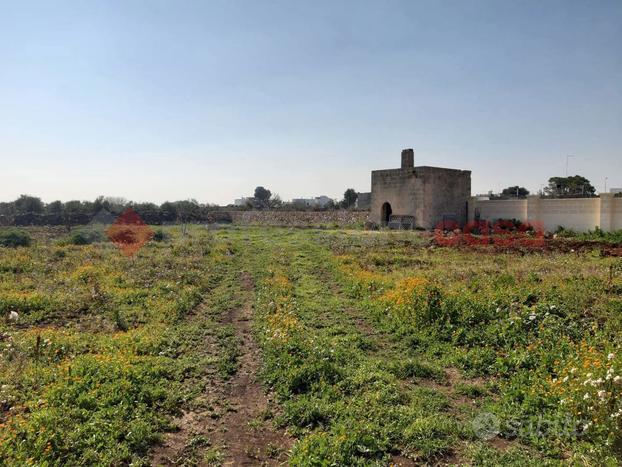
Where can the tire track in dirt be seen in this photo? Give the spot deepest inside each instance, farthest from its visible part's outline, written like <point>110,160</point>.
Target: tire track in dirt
<point>235,426</point>
<point>244,444</point>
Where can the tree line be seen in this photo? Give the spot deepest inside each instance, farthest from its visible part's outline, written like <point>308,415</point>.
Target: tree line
<point>575,186</point>
<point>31,210</point>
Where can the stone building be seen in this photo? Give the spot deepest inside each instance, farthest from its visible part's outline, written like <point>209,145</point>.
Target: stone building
<point>420,197</point>
<point>363,201</point>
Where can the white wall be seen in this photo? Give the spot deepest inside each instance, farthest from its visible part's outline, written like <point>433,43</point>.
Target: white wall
<point>580,214</point>
<point>616,221</point>
<point>502,209</point>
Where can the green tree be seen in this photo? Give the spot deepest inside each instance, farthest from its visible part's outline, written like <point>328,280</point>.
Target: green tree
<point>575,186</point>
<point>99,204</point>
<point>262,194</point>
<point>29,204</point>
<point>262,198</point>
<point>515,191</point>
<point>349,198</point>
<point>168,211</point>
<point>187,210</point>
<point>149,212</point>
<point>275,201</point>
<point>7,209</point>
<point>72,211</point>
<point>54,208</point>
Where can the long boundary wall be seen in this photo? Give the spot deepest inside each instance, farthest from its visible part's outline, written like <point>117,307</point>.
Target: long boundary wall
<point>338,218</point>
<point>579,214</point>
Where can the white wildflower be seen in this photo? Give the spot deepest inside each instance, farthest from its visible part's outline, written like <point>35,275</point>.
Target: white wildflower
<point>611,356</point>
<point>586,396</point>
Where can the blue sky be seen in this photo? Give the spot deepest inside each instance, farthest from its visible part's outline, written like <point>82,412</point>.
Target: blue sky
<point>157,100</point>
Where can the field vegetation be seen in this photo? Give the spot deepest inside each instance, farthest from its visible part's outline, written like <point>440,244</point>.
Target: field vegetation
<point>373,348</point>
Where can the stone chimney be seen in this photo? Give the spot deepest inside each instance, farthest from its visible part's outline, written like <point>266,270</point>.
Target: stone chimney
<point>408,158</point>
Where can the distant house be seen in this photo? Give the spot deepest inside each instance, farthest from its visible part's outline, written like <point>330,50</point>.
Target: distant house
<point>317,202</point>
<point>323,201</point>
<point>242,201</point>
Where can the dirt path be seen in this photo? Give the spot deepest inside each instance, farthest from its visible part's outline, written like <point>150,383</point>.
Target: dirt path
<point>248,439</point>
<point>236,429</point>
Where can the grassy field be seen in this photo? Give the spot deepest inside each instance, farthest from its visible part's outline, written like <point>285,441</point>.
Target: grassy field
<point>307,347</point>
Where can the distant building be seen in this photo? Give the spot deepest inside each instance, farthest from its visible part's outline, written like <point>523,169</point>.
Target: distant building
<point>363,201</point>
<point>242,201</point>
<point>317,202</point>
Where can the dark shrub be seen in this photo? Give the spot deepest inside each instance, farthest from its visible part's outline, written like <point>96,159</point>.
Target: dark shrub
<point>13,238</point>
<point>160,236</point>
<point>86,237</point>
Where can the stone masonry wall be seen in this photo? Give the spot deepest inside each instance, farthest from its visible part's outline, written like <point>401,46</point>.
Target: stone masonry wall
<point>300,218</point>
<point>446,193</point>
<point>398,187</point>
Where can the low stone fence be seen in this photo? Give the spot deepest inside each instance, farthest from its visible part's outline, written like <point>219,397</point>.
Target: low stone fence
<point>268,218</point>
<point>300,218</point>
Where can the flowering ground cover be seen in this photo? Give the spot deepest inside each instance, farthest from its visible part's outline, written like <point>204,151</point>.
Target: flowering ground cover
<point>98,352</point>
<point>366,348</point>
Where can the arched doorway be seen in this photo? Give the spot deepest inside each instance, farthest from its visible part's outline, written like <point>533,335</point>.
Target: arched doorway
<point>385,215</point>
